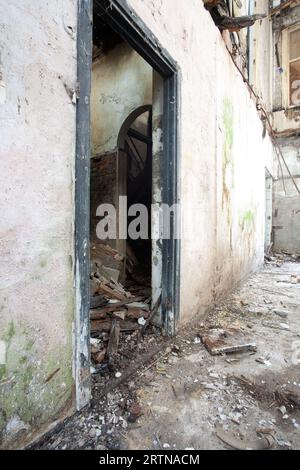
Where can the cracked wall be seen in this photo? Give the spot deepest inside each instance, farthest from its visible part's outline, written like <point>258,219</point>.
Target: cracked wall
<point>37,148</point>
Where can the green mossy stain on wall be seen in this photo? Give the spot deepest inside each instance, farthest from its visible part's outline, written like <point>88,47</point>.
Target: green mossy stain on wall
<point>26,392</point>
<point>2,371</point>
<point>247,220</point>
<point>9,333</point>
<point>227,164</point>
<point>29,390</point>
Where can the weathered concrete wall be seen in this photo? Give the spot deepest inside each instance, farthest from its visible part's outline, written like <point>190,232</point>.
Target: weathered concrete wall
<point>121,82</point>
<point>37,152</point>
<point>223,155</point>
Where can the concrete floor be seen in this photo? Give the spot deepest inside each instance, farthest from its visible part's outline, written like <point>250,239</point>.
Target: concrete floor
<point>187,394</point>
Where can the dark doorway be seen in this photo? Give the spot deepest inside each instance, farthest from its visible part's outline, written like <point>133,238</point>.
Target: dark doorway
<point>119,17</point>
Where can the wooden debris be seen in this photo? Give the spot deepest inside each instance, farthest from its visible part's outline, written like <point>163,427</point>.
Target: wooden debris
<point>219,341</point>
<point>112,293</point>
<point>101,313</point>
<point>113,342</point>
<point>105,325</point>
<point>97,301</point>
<point>120,314</point>
<point>115,307</point>
<point>140,305</point>
<point>99,357</point>
<point>152,315</point>
<point>236,24</point>
<point>136,313</point>
<point>267,442</point>
<point>106,262</point>
<point>141,361</point>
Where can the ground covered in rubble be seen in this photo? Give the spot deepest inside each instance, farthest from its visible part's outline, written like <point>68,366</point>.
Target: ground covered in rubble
<point>175,394</point>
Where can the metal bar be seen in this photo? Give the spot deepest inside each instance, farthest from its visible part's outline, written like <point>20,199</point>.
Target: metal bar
<point>131,154</point>
<point>139,136</point>
<point>137,152</point>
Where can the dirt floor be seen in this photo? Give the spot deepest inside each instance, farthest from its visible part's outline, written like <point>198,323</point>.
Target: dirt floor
<point>181,397</point>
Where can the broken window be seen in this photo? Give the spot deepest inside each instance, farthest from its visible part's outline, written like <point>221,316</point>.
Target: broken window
<point>294,64</point>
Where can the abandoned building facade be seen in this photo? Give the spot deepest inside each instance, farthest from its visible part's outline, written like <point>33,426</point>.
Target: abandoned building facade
<point>107,100</point>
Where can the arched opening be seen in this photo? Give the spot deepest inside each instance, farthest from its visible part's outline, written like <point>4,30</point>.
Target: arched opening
<point>135,149</point>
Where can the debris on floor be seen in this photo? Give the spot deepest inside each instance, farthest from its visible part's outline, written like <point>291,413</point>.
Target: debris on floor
<point>218,341</point>
<point>120,312</point>
<point>190,392</point>
<point>267,441</point>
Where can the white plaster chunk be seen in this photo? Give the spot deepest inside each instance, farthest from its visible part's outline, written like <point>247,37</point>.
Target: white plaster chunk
<point>14,425</point>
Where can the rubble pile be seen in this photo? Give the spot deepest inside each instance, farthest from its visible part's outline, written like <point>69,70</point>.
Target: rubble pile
<point>119,312</point>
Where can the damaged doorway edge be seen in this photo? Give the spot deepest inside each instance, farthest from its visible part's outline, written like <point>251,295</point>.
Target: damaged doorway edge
<point>126,23</point>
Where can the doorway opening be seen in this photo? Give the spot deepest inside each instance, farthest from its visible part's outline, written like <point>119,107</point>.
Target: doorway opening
<point>138,151</point>
<point>133,166</point>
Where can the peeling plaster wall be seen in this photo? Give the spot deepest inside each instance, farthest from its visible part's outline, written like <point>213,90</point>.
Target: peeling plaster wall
<point>37,152</point>
<point>223,156</point>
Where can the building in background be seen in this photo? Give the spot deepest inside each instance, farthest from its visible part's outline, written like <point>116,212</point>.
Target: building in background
<point>285,18</point>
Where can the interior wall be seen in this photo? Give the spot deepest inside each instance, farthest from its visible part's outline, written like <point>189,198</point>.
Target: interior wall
<point>121,83</point>
<point>223,156</point>
<point>37,153</point>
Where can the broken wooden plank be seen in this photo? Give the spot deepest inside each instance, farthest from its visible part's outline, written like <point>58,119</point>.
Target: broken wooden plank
<point>218,341</point>
<point>105,325</point>
<point>97,301</point>
<point>98,357</point>
<point>136,313</point>
<point>235,24</point>
<point>111,293</point>
<point>113,342</point>
<point>101,313</point>
<point>283,5</point>
<point>120,314</point>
